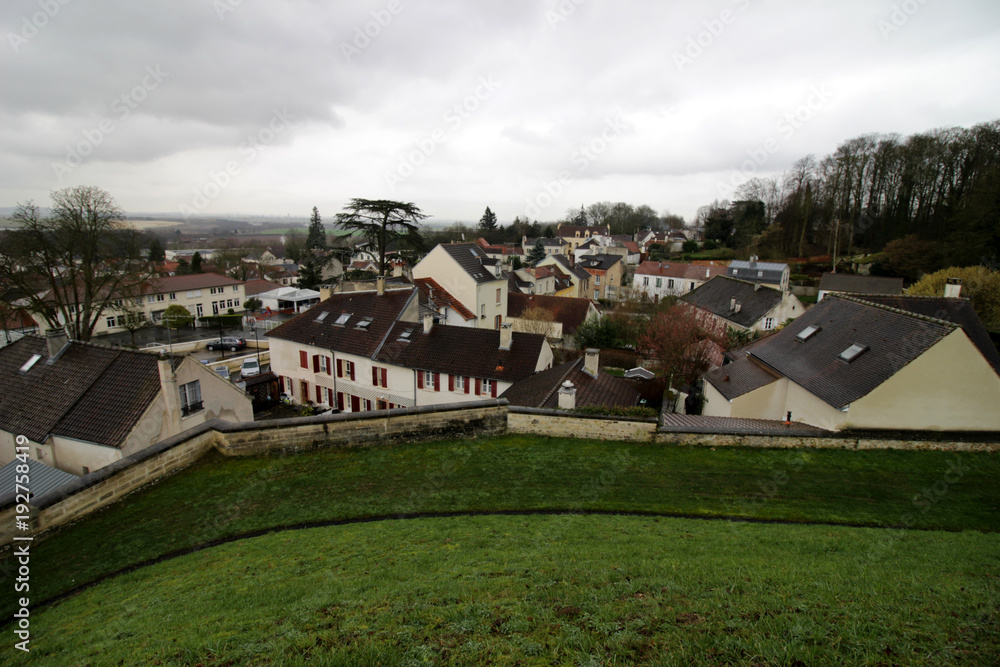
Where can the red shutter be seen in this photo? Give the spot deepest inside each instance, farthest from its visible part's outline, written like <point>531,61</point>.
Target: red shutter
<point>340,401</point>
<point>437,382</point>
<point>315,363</point>
<point>305,391</point>
<point>329,366</point>
<point>340,368</point>
<point>420,379</point>
<point>352,371</point>
<point>493,391</point>
<point>303,359</point>
<point>329,397</point>
<point>374,376</point>
<point>385,377</point>
<point>479,386</point>
<point>468,382</point>
<point>319,394</point>
<point>451,383</point>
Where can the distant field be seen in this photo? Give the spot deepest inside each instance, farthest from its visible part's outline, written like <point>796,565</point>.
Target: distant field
<point>157,224</point>
<point>545,590</point>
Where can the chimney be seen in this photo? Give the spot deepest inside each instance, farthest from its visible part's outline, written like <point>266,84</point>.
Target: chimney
<point>732,303</point>
<point>56,341</point>
<point>736,307</point>
<point>590,363</point>
<point>953,288</point>
<point>756,287</point>
<point>171,395</point>
<point>428,322</point>
<point>380,285</point>
<point>567,396</point>
<point>397,270</point>
<point>708,272</point>
<point>506,335</point>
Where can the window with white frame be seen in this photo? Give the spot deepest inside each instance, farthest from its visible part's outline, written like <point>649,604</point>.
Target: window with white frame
<point>348,368</point>
<point>173,296</point>
<point>487,387</point>
<point>460,383</point>
<point>659,282</point>
<point>110,321</point>
<point>429,379</point>
<point>191,398</point>
<point>323,368</point>
<point>236,288</point>
<point>645,280</point>
<point>670,283</point>
<point>768,323</point>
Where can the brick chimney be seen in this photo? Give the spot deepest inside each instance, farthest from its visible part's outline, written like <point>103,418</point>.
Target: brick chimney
<point>591,361</point>
<point>506,336</point>
<point>953,288</point>
<point>171,395</point>
<point>567,396</point>
<point>428,323</point>
<point>380,285</point>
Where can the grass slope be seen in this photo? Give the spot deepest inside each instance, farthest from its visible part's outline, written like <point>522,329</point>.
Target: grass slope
<point>553,590</point>
<point>219,497</point>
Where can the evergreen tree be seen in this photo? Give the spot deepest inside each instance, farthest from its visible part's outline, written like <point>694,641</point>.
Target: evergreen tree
<point>316,238</point>
<point>488,222</point>
<point>537,252</point>
<point>156,251</point>
<point>196,263</point>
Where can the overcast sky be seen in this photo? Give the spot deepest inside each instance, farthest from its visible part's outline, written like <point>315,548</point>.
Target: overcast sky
<point>530,107</point>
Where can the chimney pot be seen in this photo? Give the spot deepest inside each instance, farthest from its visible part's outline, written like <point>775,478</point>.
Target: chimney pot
<point>567,396</point>
<point>953,288</point>
<point>591,362</point>
<point>732,303</point>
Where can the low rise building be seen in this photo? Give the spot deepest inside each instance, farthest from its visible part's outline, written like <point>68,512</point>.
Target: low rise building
<point>744,306</point>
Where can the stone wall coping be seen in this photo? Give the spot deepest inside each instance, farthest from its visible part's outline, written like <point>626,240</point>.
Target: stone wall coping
<point>549,412</point>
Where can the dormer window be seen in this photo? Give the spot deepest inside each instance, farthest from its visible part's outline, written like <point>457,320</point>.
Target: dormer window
<point>853,352</point>
<point>807,333</point>
<point>365,323</point>
<point>342,319</point>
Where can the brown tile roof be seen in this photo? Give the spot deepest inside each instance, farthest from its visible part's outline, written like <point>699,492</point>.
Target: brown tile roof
<point>541,390</point>
<point>90,393</point>
<point>430,290</point>
<point>740,377</point>
<point>462,351</point>
<point>384,310</point>
<point>570,311</point>
<point>679,270</point>
<point>259,286</point>
<point>571,230</point>
<point>189,282</point>
<point>846,282</point>
<point>893,339</point>
<point>717,294</point>
<point>632,246</point>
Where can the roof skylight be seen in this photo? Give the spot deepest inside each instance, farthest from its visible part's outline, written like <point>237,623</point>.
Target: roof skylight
<point>405,336</point>
<point>807,333</point>
<point>852,353</point>
<point>342,319</point>
<point>30,362</point>
<point>322,316</point>
<point>365,322</point>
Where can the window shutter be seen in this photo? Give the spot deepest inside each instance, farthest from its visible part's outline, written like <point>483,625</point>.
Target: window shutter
<point>352,371</point>
<point>329,366</point>
<point>374,376</point>
<point>451,383</point>
<point>305,391</point>
<point>340,368</point>
<point>420,379</point>
<point>340,401</point>
<point>385,377</point>
<point>319,394</point>
<point>329,397</point>
<point>479,386</point>
<point>468,381</point>
<point>437,382</point>
<point>303,359</point>
<point>315,363</point>
<point>493,391</point>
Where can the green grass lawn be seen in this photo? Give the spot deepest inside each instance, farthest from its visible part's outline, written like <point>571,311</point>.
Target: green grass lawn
<point>546,590</point>
<point>219,497</point>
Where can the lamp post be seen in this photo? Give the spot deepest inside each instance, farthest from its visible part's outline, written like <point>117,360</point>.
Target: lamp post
<point>253,328</point>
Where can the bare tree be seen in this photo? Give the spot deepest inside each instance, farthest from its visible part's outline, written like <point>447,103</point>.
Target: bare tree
<point>535,320</point>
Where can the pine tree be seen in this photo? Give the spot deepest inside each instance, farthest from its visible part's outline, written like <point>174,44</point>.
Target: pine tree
<point>316,239</point>
<point>488,222</point>
<point>156,251</point>
<point>537,252</point>
<point>196,263</point>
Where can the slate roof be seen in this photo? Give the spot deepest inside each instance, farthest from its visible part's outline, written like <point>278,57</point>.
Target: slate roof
<point>384,309</point>
<point>189,282</point>
<point>541,390</point>
<point>473,261</point>
<point>679,270</point>
<point>570,268</point>
<point>852,284</point>
<point>740,377</point>
<point>462,351</point>
<point>956,310</point>
<point>90,393</point>
<point>598,262</point>
<point>569,311</point>
<point>716,296</point>
<point>757,272</point>
<point>546,242</point>
<point>893,338</point>
<point>571,230</point>
<point>431,291</point>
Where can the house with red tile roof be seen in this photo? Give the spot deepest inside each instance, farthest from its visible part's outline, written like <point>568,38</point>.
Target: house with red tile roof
<point>562,316</point>
<point>659,279</point>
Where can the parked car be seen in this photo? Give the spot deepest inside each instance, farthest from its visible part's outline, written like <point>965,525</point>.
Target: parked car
<point>249,368</point>
<point>223,372</point>
<point>227,343</point>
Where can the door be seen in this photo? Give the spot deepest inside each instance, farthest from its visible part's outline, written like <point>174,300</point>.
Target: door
<point>355,404</point>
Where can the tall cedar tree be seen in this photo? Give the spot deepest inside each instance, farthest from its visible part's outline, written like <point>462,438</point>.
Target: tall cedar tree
<point>156,250</point>
<point>71,267</point>
<point>537,252</point>
<point>488,222</point>
<point>196,262</point>
<point>316,238</point>
<point>382,221</point>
